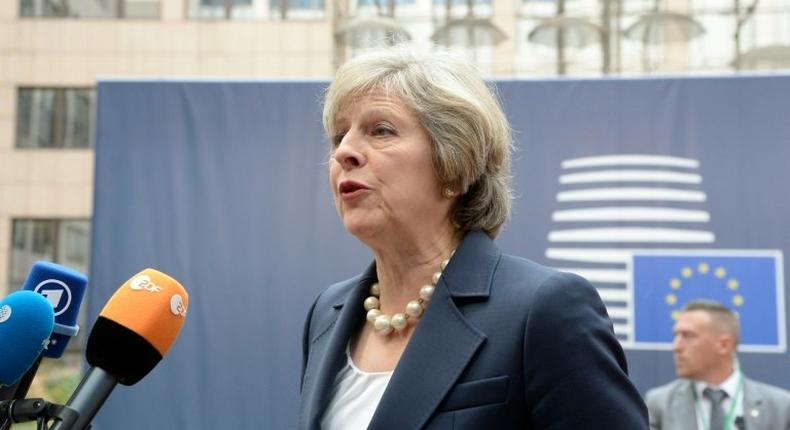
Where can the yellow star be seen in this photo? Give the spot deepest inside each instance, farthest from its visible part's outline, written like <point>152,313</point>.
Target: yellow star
<point>720,272</point>
<point>737,300</point>
<point>674,283</point>
<point>733,284</point>
<point>687,272</point>
<point>671,299</point>
<point>675,315</point>
<point>703,268</point>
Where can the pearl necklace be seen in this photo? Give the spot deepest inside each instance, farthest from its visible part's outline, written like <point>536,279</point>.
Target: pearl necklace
<point>384,324</point>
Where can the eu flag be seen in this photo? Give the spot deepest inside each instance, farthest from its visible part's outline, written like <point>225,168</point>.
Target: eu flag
<point>748,282</point>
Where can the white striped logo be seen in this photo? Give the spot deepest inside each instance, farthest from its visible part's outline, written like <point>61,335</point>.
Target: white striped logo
<point>610,206</point>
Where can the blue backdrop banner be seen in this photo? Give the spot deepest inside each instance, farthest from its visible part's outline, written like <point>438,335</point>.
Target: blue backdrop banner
<point>748,284</point>
<point>656,190</point>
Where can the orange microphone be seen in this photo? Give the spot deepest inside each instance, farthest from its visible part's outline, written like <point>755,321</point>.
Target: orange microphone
<point>133,332</point>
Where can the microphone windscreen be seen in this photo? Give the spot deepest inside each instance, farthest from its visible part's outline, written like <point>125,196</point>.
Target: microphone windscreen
<point>26,321</point>
<point>137,326</point>
<point>63,288</point>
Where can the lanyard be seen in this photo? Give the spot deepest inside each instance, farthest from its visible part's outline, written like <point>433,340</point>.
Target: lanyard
<point>729,419</point>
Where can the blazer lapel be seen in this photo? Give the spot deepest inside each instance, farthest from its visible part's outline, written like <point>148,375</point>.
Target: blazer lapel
<point>753,413</point>
<point>332,352</point>
<point>443,343</point>
<point>682,407</point>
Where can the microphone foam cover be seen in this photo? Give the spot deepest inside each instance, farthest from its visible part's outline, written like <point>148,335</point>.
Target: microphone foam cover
<point>137,326</point>
<point>63,287</point>
<point>26,321</point>
<point>120,352</point>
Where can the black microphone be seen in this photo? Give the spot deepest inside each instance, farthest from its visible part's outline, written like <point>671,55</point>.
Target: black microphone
<point>133,332</point>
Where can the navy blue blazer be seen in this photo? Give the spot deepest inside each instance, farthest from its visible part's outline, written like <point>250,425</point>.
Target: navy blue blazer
<point>505,343</point>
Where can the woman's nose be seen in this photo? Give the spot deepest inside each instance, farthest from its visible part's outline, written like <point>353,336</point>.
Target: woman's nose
<point>347,154</point>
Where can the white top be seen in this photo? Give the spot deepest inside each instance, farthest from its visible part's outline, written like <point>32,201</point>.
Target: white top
<point>729,386</point>
<point>355,396</point>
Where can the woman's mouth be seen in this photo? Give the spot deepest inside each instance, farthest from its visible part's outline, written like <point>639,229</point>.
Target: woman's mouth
<point>352,189</point>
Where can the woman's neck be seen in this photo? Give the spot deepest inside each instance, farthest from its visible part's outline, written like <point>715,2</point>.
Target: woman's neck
<point>403,267</point>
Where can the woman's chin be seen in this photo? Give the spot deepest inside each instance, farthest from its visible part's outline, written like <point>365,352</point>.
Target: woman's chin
<point>362,228</point>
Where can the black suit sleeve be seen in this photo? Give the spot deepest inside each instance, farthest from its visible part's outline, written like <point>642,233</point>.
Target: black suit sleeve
<point>306,343</point>
<point>576,376</point>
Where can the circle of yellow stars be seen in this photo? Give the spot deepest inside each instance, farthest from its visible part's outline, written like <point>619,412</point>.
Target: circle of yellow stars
<point>703,269</point>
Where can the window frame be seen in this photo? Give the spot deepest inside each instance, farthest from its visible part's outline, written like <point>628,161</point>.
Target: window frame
<point>58,127</point>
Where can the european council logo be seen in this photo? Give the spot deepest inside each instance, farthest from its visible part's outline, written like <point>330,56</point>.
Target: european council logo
<point>747,281</point>
<point>637,227</point>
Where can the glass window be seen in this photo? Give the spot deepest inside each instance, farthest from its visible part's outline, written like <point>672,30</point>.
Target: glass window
<point>384,3</point>
<point>54,117</point>
<point>226,9</point>
<point>89,8</point>
<point>277,5</point>
<point>256,9</point>
<point>73,244</point>
<point>296,8</point>
<point>65,242</point>
<point>461,3</point>
<point>230,3</point>
<point>461,9</point>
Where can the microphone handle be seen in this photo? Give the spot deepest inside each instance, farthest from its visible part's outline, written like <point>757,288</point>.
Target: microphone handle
<point>5,423</point>
<point>19,390</point>
<point>88,398</point>
<point>27,379</point>
<point>7,391</point>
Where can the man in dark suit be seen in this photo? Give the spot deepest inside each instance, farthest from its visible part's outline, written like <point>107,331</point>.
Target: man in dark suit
<point>713,394</point>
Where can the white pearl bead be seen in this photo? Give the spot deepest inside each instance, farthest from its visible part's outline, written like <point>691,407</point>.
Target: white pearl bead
<point>373,314</point>
<point>399,321</point>
<point>382,325</point>
<point>426,292</point>
<point>414,309</point>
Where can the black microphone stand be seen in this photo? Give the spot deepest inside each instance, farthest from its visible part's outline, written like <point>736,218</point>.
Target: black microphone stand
<point>39,410</point>
<point>19,390</point>
<point>27,379</point>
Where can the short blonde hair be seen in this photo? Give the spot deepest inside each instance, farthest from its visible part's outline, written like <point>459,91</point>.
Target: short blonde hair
<point>722,317</point>
<point>469,132</point>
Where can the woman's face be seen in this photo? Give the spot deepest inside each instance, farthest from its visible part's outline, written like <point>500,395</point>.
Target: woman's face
<point>381,172</point>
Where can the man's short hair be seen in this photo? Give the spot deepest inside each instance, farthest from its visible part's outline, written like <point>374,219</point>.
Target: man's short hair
<point>722,317</point>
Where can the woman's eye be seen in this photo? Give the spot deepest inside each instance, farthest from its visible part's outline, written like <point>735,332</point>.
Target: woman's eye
<point>382,130</point>
<point>336,139</point>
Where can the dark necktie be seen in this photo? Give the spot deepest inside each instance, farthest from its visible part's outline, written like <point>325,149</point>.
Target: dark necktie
<point>716,409</point>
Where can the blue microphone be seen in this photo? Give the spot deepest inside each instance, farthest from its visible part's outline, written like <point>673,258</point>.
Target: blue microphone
<point>26,322</point>
<point>63,287</point>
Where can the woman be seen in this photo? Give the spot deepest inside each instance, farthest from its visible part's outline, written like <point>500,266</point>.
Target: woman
<point>443,330</point>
